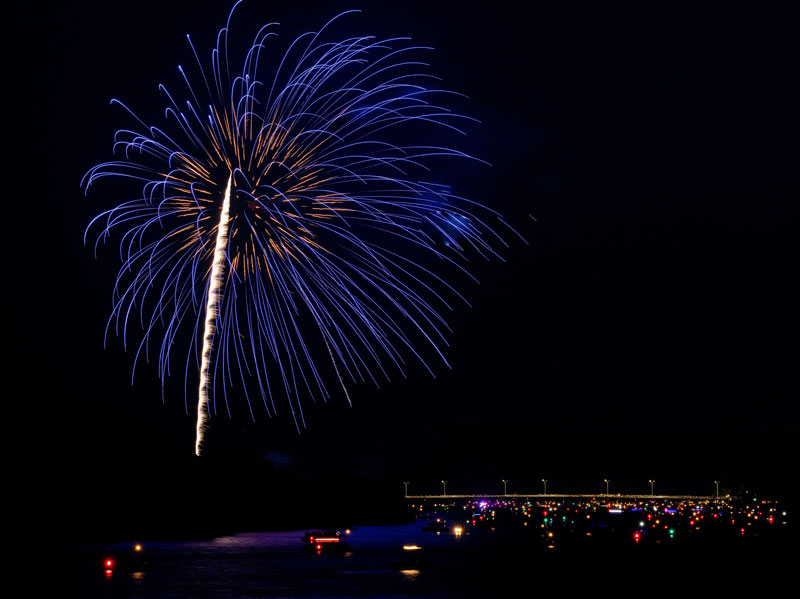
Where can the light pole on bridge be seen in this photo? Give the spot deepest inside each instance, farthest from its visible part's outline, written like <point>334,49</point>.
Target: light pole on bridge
<point>544,482</point>
<point>406,484</point>
<point>605,480</point>
<point>716,482</point>
<point>444,487</point>
<point>651,486</point>
<point>505,487</point>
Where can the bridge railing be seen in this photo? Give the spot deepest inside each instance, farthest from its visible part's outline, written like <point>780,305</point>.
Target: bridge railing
<point>621,497</point>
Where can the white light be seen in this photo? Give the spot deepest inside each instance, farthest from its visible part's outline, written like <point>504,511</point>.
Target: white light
<point>211,314</point>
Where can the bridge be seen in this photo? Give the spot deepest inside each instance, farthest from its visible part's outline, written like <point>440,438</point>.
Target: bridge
<point>542,496</point>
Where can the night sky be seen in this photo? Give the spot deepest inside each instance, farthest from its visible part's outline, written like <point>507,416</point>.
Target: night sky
<point>648,155</point>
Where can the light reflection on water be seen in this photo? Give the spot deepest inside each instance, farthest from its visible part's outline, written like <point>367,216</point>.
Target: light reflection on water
<point>268,565</point>
<point>482,562</point>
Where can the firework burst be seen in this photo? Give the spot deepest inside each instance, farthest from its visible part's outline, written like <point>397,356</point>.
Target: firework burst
<point>283,221</point>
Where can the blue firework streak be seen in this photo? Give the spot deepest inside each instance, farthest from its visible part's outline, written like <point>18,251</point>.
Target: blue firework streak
<point>287,219</point>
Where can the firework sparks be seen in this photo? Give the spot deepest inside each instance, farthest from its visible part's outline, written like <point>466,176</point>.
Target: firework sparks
<point>322,261</point>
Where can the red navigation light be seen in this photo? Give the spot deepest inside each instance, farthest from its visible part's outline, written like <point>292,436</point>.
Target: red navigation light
<point>109,563</point>
<point>742,529</point>
<point>319,547</point>
<point>544,513</point>
<point>771,519</point>
<point>691,522</point>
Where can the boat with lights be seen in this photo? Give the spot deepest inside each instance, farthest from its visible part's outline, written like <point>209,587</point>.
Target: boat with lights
<point>327,540</point>
<point>134,560</point>
<point>437,525</point>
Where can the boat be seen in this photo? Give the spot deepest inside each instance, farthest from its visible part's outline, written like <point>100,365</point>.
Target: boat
<point>483,519</point>
<point>325,539</point>
<point>437,525</point>
<point>133,561</point>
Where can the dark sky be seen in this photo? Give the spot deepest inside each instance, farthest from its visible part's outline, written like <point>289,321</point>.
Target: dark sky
<point>648,330</point>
